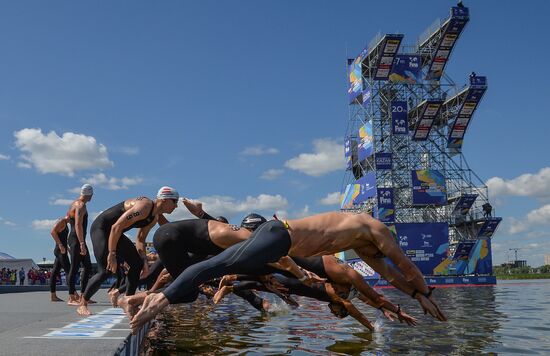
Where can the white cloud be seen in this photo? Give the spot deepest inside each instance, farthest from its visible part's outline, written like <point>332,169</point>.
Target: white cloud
<point>526,185</point>
<point>111,183</point>
<point>303,213</point>
<point>259,151</point>
<point>64,154</point>
<point>24,165</point>
<point>331,199</point>
<point>230,207</point>
<point>515,226</point>
<point>271,174</point>
<point>75,190</point>
<point>4,157</point>
<point>45,224</point>
<point>129,150</point>
<point>328,156</point>
<point>7,222</point>
<point>540,216</point>
<point>61,202</point>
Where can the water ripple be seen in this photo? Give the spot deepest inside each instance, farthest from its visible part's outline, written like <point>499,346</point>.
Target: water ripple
<point>510,318</point>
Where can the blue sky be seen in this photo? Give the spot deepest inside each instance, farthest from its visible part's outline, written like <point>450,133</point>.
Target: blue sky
<point>243,104</point>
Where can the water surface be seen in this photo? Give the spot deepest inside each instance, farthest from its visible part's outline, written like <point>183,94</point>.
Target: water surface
<point>510,318</point>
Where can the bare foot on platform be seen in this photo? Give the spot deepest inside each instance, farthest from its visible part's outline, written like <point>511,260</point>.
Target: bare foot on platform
<point>75,301</point>
<point>222,292</point>
<point>83,310</point>
<point>130,304</point>
<point>55,298</point>
<point>113,297</point>
<point>152,305</point>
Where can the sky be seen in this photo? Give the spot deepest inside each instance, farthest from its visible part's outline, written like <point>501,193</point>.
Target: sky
<point>243,106</point>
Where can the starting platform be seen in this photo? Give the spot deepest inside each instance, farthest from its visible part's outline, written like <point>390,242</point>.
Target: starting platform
<point>30,324</point>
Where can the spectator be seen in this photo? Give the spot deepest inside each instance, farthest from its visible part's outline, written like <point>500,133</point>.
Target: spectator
<point>21,276</point>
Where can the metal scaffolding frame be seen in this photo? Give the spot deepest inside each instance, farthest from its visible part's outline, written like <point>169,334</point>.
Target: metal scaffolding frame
<point>408,154</point>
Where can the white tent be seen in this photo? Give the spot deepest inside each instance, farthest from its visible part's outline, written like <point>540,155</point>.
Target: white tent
<point>16,263</point>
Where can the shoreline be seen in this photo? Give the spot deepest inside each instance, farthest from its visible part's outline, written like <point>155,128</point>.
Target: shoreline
<point>523,276</point>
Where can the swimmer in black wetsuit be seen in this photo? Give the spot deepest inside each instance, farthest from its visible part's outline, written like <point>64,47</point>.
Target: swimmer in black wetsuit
<point>317,235</point>
<point>109,241</point>
<point>183,243</point>
<point>78,219</point>
<point>59,233</point>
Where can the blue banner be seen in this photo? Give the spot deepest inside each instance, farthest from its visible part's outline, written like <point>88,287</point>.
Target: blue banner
<point>389,47</point>
<point>489,227</point>
<point>363,268</point>
<point>386,207</point>
<point>367,187</point>
<point>365,147</point>
<point>429,111</point>
<point>367,98</point>
<point>460,11</point>
<point>358,192</point>
<point>463,250</point>
<point>400,123</point>
<point>464,204</point>
<point>477,81</point>
<point>406,69</point>
<point>429,187</point>
<point>383,160</point>
<point>453,28</point>
<point>465,113</point>
<point>356,78</point>
<point>482,252</point>
<point>348,154</point>
<point>425,244</point>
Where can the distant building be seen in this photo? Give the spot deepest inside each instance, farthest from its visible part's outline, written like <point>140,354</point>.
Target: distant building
<point>520,263</point>
<point>547,260</point>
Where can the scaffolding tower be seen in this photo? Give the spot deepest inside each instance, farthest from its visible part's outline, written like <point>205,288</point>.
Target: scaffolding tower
<point>405,109</point>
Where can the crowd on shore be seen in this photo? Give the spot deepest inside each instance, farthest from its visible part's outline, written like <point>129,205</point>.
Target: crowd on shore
<point>14,277</point>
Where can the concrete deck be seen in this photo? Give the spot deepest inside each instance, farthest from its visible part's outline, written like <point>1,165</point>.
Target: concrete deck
<point>32,325</point>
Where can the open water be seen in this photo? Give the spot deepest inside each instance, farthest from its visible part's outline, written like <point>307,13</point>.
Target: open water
<point>510,318</point>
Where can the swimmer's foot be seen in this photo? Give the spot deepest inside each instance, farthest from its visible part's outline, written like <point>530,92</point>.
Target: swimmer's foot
<point>91,301</point>
<point>55,298</point>
<point>130,304</point>
<point>227,280</point>
<point>113,297</point>
<point>152,305</point>
<point>83,310</point>
<point>222,292</point>
<point>73,300</point>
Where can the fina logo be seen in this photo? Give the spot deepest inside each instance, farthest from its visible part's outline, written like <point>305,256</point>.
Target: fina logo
<point>400,126</point>
<point>385,198</point>
<point>403,241</point>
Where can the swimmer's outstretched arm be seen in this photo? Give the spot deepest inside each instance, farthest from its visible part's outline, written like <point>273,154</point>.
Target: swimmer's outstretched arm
<point>286,263</point>
<point>398,281</point>
<point>389,310</point>
<point>352,310</point>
